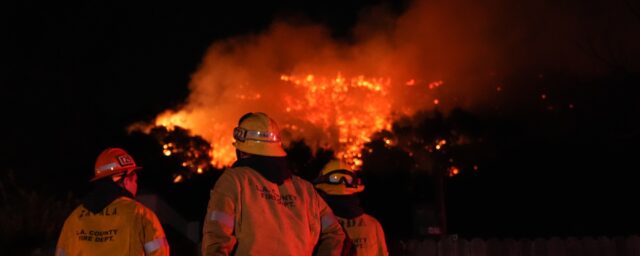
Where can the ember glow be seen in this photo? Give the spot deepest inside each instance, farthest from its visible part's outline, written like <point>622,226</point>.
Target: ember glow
<point>167,149</point>
<point>453,171</point>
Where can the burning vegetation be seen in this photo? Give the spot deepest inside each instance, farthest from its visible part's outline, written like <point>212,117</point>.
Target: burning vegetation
<point>332,95</point>
<point>346,110</point>
<point>437,145</point>
<point>341,114</point>
<point>193,151</point>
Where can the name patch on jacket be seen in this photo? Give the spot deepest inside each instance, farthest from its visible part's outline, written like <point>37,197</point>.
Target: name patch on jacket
<point>349,223</point>
<point>98,236</point>
<point>284,200</point>
<point>359,242</point>
<point>106,212</point>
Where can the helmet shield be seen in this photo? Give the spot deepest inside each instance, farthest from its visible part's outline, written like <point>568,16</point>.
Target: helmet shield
<point>258,134</point>
<point>336,178</point>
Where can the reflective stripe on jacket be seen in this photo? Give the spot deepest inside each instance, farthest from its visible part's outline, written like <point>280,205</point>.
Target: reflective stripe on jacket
<point>366,234</point>
<point>249,215</point>
<point>124,227</point>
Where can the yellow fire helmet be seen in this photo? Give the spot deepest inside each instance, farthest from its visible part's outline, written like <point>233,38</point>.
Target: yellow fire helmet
<point>337,178</point>
<point>113,161</point>
<point>258,134</point>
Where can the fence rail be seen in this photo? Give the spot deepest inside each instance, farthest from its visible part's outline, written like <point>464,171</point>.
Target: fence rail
<point>584,246</point>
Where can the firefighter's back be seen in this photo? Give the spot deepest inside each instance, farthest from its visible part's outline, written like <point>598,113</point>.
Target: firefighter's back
<point>121,228</point>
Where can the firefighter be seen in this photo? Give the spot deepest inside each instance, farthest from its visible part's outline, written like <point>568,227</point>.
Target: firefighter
<point>109,221</point>
<point>257,207</point>
<point>338,184</point>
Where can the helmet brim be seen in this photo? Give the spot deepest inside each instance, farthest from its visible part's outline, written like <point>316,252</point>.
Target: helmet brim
<point>260,148</point>
<point>115,172</point>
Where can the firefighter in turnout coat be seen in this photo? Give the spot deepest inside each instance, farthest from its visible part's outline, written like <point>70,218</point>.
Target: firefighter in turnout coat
<point>338,184</point>
<point>258,207</point>
<point>109,221</point>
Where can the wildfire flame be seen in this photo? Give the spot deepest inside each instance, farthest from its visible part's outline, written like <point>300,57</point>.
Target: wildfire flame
<point>325,92</point>
<point>349,110</point>
<point>289,71</point>
<point>346,111</point>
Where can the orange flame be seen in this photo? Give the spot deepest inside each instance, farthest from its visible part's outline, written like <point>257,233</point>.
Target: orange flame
<point>348,110</point>
<point>344,111</point>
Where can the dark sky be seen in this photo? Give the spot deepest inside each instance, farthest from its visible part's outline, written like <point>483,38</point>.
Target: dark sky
<point>74,76</point>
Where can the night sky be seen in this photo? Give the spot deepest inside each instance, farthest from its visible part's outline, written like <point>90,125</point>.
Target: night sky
<point>74,76</point>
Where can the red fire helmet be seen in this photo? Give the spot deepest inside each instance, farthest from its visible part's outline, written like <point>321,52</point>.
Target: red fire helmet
<point>114,161</point>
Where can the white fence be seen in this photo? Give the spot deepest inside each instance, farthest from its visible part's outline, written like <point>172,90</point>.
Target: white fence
<point>584,246</point>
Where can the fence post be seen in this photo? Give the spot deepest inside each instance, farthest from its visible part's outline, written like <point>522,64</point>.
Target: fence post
<point>464,247</point>
<point>526,247</point>
<point>620,245</point>
<point>450,246</point>
<point>607,246</point>
<point>411,247</point>
<point>574,247</point>
<point>512,247</point>
<point>540,247</point>
<point>478,247</point>
<point>633,245</point>
<point>591,247</point>
<point>556,247</point>
<point>495,247</point>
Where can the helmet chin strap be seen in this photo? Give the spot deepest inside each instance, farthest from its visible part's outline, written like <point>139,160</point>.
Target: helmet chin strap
<point>119,178</point>
<point>242,155</point>
<point>123,181</point>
